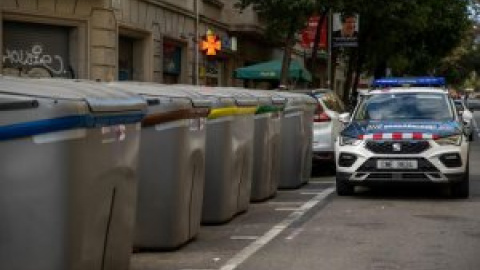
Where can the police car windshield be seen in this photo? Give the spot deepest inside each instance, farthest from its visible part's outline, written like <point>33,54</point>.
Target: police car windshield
<point>405,106</point>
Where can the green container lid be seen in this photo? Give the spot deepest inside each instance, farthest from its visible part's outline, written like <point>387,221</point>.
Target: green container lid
<point>268,109</point>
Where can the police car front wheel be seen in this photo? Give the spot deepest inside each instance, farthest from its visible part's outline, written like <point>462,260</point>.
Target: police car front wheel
<point>461,189</point>
<point>343,187</point>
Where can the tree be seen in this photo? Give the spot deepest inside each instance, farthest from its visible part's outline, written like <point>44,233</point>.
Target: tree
<point>410,37</point>
<point>283,18</point>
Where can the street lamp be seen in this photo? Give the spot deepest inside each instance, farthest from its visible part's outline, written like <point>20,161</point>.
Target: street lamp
<point>197,39</point>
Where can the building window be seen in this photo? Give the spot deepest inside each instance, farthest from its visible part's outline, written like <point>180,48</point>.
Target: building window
<point>172,62</point>
<point>125,59</point>
<point>134,56</point>
<point>36,50</point>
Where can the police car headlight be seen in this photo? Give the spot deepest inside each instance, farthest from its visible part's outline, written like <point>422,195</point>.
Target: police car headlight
<point>345,140</point>
<point>451,140</point>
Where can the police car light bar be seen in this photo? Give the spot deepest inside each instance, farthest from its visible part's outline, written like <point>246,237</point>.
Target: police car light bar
<point>412,81</point>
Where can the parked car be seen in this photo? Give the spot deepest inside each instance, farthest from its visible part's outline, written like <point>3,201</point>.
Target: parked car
<point>467,117</point>
<point>473,104</point>
<point>326,126</point>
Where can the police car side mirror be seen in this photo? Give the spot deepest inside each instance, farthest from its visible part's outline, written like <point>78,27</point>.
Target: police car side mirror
<point>344,118</point>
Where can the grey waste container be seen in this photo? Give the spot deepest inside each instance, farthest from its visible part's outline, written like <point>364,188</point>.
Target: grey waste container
<point>293,142</point>
<point>267,145</point>
<point>309,113</point>
<point>68,174</point>
<point>229,156</point>
<point>172,166</point>
<point>267,142</point>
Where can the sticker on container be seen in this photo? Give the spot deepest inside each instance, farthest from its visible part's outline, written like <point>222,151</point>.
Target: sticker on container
<point>116,133</point>
<point>197,124</point>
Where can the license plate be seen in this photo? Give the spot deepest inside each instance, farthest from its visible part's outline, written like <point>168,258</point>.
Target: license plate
<point>397,164</point>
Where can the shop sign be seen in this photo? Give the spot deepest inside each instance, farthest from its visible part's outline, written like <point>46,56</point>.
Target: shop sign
<point>229,43</point>
<point>212,68</point>
<point>211,44</point>
<point>308,34</point>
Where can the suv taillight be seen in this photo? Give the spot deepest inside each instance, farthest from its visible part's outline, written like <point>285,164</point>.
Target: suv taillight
<point>321,115</point>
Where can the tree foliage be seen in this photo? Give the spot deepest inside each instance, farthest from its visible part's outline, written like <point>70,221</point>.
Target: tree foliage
<point>278,15</point>
<point>412,37</point>
<point>283,18</point>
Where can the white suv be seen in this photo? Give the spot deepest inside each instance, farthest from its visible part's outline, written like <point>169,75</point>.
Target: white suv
<point>403,135</point>
<point>326,124</point>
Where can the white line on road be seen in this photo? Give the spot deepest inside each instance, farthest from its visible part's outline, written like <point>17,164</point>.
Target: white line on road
<point>312,192</point>
<point>251,249</point>
<point>294,234</point>
<point>246,237</point>
<point>283,203</point>
<point>321,182</point>
<point>196,269</point>
<point>287,209</point>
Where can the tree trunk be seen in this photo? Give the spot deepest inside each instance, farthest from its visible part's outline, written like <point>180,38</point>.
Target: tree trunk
<point>289,42</point>
<point>360,60</point>
<point>333,70</point>
<point>348,77</point>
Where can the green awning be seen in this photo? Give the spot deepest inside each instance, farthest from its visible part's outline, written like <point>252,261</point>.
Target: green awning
<point>271,71</point>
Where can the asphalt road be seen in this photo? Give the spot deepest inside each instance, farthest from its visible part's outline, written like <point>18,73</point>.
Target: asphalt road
<point>312,228</point>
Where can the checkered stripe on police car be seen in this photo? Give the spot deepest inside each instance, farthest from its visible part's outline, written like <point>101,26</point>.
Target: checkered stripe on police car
<point>399,136</point>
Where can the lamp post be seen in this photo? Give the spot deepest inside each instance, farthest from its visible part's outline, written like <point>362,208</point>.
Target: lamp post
<point>197,40</point>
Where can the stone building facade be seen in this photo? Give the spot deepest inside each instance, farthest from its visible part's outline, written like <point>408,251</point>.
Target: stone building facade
<point>143,40</point>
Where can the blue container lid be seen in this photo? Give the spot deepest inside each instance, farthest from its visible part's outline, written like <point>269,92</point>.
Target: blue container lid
<point>56,105</point>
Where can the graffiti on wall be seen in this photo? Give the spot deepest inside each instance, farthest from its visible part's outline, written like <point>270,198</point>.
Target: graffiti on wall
<point>33,63</point>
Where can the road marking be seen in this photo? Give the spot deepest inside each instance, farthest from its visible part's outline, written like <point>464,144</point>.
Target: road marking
<point>287,209</point>
<point>195,269</point>
<point>281,203</point>
<point>321,182</point>
<point>246,237</point>
<point>312,192</point>
<point>294,233</point>
<point>251,249</point>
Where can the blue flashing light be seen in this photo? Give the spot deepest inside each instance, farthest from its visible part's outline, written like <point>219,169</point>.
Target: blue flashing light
<point>411,81</point>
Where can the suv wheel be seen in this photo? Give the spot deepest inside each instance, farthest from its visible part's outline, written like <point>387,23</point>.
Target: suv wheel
<point>344,188</point>
<point>461,189</point>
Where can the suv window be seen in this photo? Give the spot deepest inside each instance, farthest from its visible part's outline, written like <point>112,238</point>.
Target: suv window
<point>405,106</point>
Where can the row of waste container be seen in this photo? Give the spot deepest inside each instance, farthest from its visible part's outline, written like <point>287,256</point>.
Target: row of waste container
<point>89,169</point>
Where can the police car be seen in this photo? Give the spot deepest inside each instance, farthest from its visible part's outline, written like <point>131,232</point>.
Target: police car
<point>403,134</point>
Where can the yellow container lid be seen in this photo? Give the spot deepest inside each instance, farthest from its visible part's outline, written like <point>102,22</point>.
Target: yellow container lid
<point>231,111</point>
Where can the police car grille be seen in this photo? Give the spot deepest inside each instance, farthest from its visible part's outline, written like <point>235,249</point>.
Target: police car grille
<point>423,166</point>
<point>406,147</point>
<point>393,176</point>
